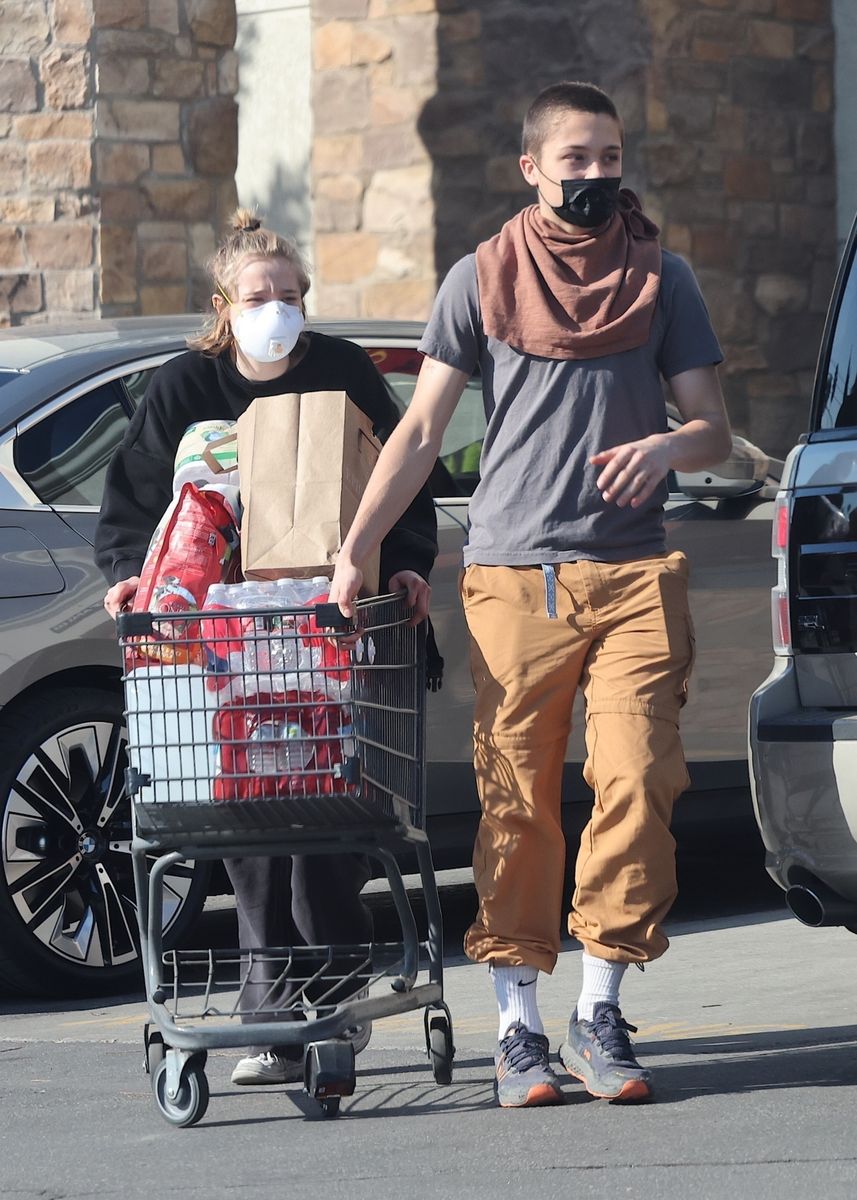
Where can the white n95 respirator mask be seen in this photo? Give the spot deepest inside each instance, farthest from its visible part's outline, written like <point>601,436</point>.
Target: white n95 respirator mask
<point>268,332</point>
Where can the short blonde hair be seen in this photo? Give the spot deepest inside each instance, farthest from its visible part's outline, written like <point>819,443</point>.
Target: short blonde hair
<point>248,239</point>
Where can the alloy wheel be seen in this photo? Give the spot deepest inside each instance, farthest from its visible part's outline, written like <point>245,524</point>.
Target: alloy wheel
<point>66,848</point>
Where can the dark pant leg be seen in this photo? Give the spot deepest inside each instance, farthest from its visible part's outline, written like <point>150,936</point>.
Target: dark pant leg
<point>262,889</point>
<point>327,911</point>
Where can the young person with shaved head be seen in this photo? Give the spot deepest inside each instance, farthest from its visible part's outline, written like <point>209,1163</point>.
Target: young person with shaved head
<point>574,315</point>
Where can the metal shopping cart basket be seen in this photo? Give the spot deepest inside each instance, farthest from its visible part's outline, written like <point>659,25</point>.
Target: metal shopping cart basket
<point>267,733</point>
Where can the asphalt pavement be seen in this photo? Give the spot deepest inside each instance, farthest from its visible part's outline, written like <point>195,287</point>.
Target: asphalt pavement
<point>748,1023</point>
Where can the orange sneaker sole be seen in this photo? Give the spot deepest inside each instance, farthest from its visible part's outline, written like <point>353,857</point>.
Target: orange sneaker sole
<point>635,1091</point>
<point>538,1097</point>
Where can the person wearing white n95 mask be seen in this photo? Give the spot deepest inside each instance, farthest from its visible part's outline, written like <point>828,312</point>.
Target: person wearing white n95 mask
<point>254,344</point>
<point>268,332</point>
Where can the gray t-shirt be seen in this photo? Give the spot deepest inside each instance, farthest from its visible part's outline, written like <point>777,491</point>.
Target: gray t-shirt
<point>536,501</point>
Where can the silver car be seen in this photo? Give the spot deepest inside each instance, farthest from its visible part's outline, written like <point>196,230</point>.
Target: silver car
<point>67,917</point>
<point>803,719</point>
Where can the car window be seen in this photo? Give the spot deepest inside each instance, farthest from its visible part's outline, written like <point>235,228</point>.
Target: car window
<point>836,399</point>
<point>462,439</point>
<point>136,384</point>
<point>64,456</point>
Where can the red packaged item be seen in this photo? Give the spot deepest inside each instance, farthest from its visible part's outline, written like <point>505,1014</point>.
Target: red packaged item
<point>195,546</point>
<point>281,653</point>
<point>224,639</point>
<point>335,658</point>
<point>280,745</point>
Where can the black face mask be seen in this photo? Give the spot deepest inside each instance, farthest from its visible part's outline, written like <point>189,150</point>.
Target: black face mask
<point>587,202</point>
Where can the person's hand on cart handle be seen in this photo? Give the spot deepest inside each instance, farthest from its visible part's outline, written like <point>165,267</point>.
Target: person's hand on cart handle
<point>345,585</point>
<point>419,593</point>
<point>120,595</point>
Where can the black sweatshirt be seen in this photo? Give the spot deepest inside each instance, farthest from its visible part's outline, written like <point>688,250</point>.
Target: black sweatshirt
<point>199,387</point>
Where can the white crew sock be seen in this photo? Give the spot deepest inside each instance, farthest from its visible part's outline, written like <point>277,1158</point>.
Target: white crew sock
<point>601,981</point>
<point>515,988</point>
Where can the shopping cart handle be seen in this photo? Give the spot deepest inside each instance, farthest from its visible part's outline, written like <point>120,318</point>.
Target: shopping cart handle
<point>136,624</point>
<point>328,616</point>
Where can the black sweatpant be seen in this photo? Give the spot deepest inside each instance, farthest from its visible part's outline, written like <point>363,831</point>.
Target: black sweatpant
<point>305,899</point>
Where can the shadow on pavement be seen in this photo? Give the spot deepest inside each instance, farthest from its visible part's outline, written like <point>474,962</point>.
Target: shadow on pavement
<point>751,1062</point>
<point>766,1041</point>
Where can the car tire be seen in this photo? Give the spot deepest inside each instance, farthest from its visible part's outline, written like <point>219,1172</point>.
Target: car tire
<point>68,922</point>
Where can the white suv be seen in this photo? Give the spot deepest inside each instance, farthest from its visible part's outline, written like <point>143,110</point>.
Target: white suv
<point>803,719</point>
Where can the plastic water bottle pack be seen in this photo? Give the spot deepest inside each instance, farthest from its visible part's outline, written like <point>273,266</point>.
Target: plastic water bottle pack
<point>246,656</point>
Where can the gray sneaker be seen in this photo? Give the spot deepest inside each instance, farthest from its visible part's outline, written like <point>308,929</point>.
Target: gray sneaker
<point>601,1055</point>
<point>524,1077</point>
<point>259,1070</point>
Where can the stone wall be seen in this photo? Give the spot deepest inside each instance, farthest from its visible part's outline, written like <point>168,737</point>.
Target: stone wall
<point>117,159</point>
<point>166,130</point>
<point>728,113</point>
<point>375,68</point>
<point>47,210</point>
<point>738,162</point>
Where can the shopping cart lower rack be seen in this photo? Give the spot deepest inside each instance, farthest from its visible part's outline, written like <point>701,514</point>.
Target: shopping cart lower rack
<point>265,733</point>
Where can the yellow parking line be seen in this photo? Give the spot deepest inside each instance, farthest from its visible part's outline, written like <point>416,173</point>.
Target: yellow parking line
<point>679,1032</point>
<point>135,1019</point>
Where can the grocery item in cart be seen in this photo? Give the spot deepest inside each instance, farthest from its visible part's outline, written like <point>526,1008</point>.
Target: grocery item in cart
<point>280,745</point>
<point>207,453</point>
<point>194,546</point>
<point>282,653</point>
<point>305,461</point>
<point>169,717</point>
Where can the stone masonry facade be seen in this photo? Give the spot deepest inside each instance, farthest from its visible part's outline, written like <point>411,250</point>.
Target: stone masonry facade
<point>118,144</point>
<point>375,67</point>
<point>728,107</point>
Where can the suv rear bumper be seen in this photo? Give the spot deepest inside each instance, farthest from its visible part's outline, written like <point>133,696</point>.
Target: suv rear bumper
<point>803,778</point>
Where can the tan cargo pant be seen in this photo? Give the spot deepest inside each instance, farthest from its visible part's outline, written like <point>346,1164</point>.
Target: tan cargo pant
<point>623,633</point>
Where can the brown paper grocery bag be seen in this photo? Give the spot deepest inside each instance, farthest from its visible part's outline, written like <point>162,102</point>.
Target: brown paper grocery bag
<point>304,462</point>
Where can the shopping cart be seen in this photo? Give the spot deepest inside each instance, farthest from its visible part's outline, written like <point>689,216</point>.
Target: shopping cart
<point>268,733</point>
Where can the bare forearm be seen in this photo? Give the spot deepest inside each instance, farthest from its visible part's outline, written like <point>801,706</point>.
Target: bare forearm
<point>705,438</point>
<point>403,466</point>
<point>699,443</point>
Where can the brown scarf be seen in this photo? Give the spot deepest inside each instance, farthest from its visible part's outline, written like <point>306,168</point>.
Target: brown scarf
<point>565,295</point>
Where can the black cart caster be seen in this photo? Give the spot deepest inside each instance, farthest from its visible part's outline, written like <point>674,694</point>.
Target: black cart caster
<point>329,1073</point>
<point>439,1045</point>
<point>189,1104</point>
<point>154,1049</point>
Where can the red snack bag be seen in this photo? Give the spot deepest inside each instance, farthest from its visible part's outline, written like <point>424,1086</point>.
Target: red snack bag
<point>195,547</point>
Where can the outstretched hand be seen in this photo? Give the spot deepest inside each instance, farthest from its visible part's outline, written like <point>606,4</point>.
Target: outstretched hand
<point>633,470</point>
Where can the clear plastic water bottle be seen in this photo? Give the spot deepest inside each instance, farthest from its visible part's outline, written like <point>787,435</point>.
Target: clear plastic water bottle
<point>278,747</point>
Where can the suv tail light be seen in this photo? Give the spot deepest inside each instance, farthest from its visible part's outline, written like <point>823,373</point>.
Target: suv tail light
<point>781,629</point>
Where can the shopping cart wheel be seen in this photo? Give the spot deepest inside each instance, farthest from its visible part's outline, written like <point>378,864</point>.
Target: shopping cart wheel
<point>190,1104</point>
<point>153,1049</point>
<point>440,1048</point>
<point>329,1073</point>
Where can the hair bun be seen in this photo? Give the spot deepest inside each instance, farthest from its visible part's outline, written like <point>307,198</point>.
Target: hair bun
<point>242,220</point>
